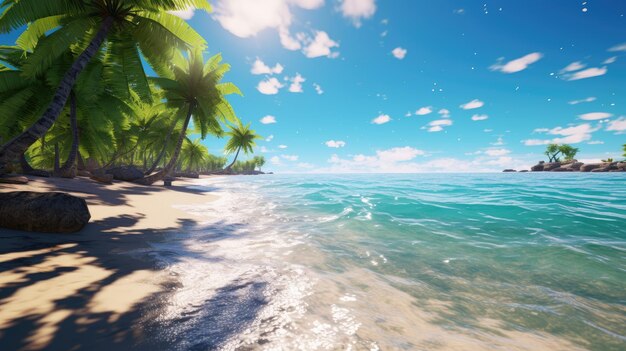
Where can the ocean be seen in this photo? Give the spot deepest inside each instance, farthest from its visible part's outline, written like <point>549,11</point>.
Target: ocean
<point>533,261</point>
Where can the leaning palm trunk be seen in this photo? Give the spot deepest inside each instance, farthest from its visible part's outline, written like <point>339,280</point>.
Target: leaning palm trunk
<point>16,147</point>
<point>155,164</point>
<point>28,169</point>
<point>227,169</point>
<point>149,180</point>
<point>67,170</point>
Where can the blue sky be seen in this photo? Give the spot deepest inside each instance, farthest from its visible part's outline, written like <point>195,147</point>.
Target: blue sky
<point>422,86</point>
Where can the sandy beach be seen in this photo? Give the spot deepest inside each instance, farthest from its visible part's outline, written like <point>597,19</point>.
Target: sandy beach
<point>83,290</point>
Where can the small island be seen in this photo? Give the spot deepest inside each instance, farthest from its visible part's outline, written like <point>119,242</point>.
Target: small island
<point>570,164</point>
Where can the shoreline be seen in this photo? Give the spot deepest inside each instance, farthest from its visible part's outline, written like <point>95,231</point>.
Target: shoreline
<point>59,291</point>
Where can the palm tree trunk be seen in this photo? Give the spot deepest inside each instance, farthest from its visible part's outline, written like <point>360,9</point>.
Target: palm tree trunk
<point>149,180</point>
<point>235,160</point>
<point>162,153</point>
<point>28,169</point>
<point>18,145</point>
<point>66,170</point>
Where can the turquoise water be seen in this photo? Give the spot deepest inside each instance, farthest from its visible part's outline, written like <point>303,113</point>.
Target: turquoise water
<point>442,261</point>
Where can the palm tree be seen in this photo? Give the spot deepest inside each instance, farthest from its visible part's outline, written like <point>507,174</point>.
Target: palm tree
<point>241,138</point>
<point>127,27</point>
<point>259,161</point>
<point>193,155</point>
<point>193,88</point>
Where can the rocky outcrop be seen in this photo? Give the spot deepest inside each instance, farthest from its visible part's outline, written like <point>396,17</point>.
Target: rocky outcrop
<point>508,170</point>
<point>575,166</point>
<point>102,178</point>
<point>43,212</point>
<point>125,173</point>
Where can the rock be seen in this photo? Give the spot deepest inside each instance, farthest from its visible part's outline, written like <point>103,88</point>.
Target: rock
<point>508,170</point>
<point>607,167</point>
<point>13,180</point>
<point>538,167</point>
<point>83,173</point>
<point>43,212</point>
<point>102,178</point>
<point>125,173</point>
<point>551,166</point>
<point>92,165</point>
<point>523,171</point>
<point>39,173</point>
<point>562,169</point>
<point>591,166</point>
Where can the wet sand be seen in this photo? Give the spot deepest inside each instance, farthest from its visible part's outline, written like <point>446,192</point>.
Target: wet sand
<point>98,288</point>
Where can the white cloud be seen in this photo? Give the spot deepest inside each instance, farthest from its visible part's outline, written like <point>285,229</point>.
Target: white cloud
<point>399,53</point>
<point>576,102</point>
<point>282,146</point>
<point>184,14</point>
<point>593,116</point>
<point>381,119</point>
<point>321,45</point>
<point>318,89</point>
<point>498,142</point>
<point>403,160</point>
<point>497,152</point>
<point>422,111</point>
<point>472,105</point>
<point>269,86</point>
<point>287,41</point>
<point>269,138</point>
<point>275,160</point>
<point>610,60</point>
<point>335,143</point>
<point>618,125</point>
<point>444,112</point>
<point>620,47</point>
<point>438,125</point>
<point>289,157</point>
<point>516,65</point>
<point>268,120</point>
<point>596,142</point>
<point>305,165</point>
<point>586,73</point>
<point>259,67</point>
<point>296,83</point>
<point>574,66</point>
<point>357,10</point>
<point>569,135</point>
<point>479,117</point>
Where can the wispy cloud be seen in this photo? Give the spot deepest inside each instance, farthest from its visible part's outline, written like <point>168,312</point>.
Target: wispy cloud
<point>592,116</point>
<point>618,125</point>
<point>586,73</point>
<point>259,67</point>
<point>479,117</point>
<point>437,125</point>
<point>296,83</point>
<point>335,143</point>
<point>568,135</point>
<point>268,120</point>
<point>574,66</point>
<point>516,65</point>
<point>619,47</point>
<point>318,89</point>
<point>472,104</point>
<point>422,111</point>
<point>576,102</point>
<point>321,45</point>
<point>381,119</point>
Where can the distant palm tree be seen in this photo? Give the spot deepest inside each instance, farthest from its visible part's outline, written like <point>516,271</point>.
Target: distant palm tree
<point>241,138</point>
<point>127,28</point>
<point>193,88</point>
<point>193,155</point>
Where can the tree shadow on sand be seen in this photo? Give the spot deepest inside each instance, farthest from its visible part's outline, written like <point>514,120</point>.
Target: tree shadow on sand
<point>99,292</point>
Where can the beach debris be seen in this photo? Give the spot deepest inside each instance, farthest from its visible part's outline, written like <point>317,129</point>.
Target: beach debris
<point>43,212</point>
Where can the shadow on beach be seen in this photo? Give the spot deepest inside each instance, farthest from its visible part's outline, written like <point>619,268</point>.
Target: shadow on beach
<point>101,288</point>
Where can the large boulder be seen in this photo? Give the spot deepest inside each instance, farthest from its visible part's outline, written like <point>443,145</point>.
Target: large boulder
<point>562,169</point>
<point>591,166</point>
<point>125,173</point>
<point>508,170</point>
<point>607,167</point>
<point>573,166</point>
<point>43,212</point>
<point>538,167</point>
<point>551,166</point>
